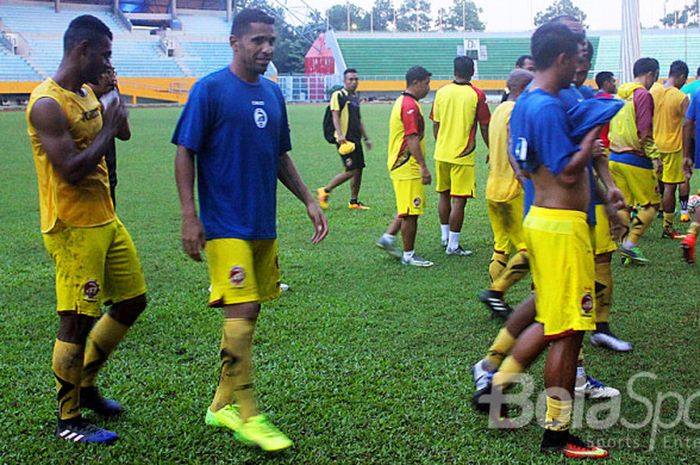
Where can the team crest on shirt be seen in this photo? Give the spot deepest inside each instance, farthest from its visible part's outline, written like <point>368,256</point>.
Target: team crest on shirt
<point>236,275</point>
<point>587,303</point>
<point>260,117</point>
<point>417,202</point>
<point>91,289</point>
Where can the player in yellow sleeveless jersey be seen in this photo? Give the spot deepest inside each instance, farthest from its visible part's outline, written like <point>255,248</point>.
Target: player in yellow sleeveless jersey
<point>670,105</point>
<point>95,258</point>
<point>407,168</point>
<point>505,204</point>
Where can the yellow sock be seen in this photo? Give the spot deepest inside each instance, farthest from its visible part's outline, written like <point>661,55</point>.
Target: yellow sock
<point>624,217</point>
<point>558,416</point>
<point>507,373</point>
<point>67,365</point>
<point>515,270</point>
<point>642,222</point>
<point>668,220</point>
<point>603,291</point>
<point>694,228</point>
<point>498,263</point>
<point>235,382</point>
<point>500,348</point>
<point>101,341</point>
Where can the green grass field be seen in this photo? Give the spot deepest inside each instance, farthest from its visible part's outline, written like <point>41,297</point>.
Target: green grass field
<point>362,362</point>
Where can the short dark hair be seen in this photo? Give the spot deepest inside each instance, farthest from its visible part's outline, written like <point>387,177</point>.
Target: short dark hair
<point>246,17</point>
<point>464,67</point>
<point>520,62</point>
<point>551,40</point>
<point>678,68</point>
<point>417,73</point>
<point>348,71</point>
<point>590,51</point>
<point>85,27</point>
<point>645,65</point>
<point>603,77</point>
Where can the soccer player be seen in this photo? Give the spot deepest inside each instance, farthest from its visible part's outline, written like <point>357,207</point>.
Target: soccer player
<point>407,168</point>
<point>691,151</point>
<point>582,70</point>
<point>542,144</point>
<point>107,84</point>
<point>523,62</point>
<point>607,84</point>
<point>692,87</point>
<point>505,203</point>
<point>235,126</point>
<point>670,106</point>
<point>634,158</point>
<point>456,110</point>
<point>345,109</point>
<point>95,258</point>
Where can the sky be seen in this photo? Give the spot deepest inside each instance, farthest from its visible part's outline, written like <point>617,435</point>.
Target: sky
<point>601,14</point>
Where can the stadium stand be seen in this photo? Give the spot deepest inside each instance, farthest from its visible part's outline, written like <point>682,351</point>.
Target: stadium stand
<point>204,25</point>
<point>204,57</point>
<point>14,68</point>
<point>24,18</point>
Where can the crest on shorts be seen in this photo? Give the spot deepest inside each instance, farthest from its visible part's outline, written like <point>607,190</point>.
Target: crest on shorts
<point>237,275</point>
<point>348,162</point>
<point>91,289</point>
<point>587,303</point>
<point>416,201</point>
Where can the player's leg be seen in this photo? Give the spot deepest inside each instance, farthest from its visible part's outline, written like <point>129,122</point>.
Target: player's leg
<point>683,196</point>
<point>358,164</point>
<point>669,209</point>
<point>410,200</point>
<point>324,192</point>
<point>645,192</point>
<point>79,256</point>
<point>442,183</point>
<point>388,240</point>
<point>688,244</point>
<point>462,187</point>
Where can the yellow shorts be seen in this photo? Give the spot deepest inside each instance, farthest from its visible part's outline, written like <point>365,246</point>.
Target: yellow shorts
<point>507,224</point>
<point>563,270</point>
<point>242,271</point>
<point>459,180</point>
<point>94,266</point>
<point>603,239</point>
<point>410,196</point>
<point>673,168</point>
<point>638,185</point>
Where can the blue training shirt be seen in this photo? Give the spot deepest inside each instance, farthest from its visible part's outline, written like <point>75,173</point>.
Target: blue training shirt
<point>238,131</point>
<point>693,114</point>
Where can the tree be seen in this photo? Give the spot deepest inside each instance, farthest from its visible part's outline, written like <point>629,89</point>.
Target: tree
<point>414,15</point>
<point>338,18</point>
<point>383,15</point>
<point>558,8</point>
<point>688,16</point>
<point>459,12</point>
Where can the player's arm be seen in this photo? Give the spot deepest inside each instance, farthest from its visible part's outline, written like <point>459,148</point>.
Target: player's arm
<point>436,129</point>
<point>484,133</point>
<point>612,193</point>
<point>413,143</point>
<point>365,136</point>
<point>688,146</point>
<point>51,125</point>
<point>289,176</point>
<point>193,240</point>
<point>572,172</point>
<point>483,115</point>
<point>124,132</point>
<point>335,116</point>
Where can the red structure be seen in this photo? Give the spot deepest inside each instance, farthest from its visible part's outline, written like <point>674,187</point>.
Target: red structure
<point>318,62</point>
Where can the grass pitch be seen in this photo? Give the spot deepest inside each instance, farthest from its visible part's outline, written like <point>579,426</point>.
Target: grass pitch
<point>363,361</point>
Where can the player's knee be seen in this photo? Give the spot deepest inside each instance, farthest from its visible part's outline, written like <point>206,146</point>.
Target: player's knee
<point>74,328</point>
<point>128,311</point>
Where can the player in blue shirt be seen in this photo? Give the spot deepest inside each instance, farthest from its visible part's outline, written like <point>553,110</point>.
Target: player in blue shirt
<point>235,126</point>
<point>557,234</point>
<point>691,159</point>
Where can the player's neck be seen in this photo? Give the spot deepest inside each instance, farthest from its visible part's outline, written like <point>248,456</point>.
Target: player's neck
<point>548,81</point>
<point>68,77</point>
<point>243,73</point>
<point>460,80</point>
<point>671,82</point>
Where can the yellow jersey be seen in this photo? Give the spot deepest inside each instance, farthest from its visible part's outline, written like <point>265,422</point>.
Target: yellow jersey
<point>668,118</point>
<point>88,202</point>
<point>458,107</point>
<point>406,119</point>
<point>502,185</point>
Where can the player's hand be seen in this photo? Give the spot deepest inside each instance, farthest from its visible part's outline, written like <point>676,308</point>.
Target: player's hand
<point>598,149</point>
<point>193,238</point>
<point>688,167</point>
<point>658,166</point>
<point>425,176</point>
<point>369,144</point>
<point>615,199</point>
<point>618,230</point>
<point>114,117</point>
<point>341,140</point>
<point>319,220</point>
